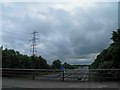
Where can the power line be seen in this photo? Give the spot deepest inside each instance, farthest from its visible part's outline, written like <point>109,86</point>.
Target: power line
<point>34,43</point>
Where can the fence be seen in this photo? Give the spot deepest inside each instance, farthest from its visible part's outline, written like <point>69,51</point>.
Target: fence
<point>68,74</point>
<point>34,73</point>
<point>104,74</point>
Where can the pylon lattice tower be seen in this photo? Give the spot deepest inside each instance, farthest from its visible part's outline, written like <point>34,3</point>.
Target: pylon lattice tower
<point>34,43</point>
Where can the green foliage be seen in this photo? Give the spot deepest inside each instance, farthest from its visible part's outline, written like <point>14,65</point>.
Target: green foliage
<point>110,57</point>
<point>13,59</point>
<point>68,66</point>
<point>56,64</point>
<point>116,36</point>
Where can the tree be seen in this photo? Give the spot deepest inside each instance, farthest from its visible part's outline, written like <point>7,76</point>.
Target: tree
<point>5,58</point>
<point>68,66</point>
<point>116,36</point>
<point>110,57</point>
<point>13,59</point>
<point>56,64</point>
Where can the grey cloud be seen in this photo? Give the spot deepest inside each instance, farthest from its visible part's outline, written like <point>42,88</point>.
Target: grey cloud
<point>62,34</point>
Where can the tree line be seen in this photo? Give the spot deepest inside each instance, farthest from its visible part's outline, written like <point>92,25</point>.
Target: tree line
<point>13,59</point>
<point>109,58</point>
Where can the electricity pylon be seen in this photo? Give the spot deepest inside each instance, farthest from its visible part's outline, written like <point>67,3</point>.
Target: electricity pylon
<point>34,43</point>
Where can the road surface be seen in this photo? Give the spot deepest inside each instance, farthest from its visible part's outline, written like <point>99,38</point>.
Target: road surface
<point>27,83</point>
<point>70,74</point>
<point>77,74</point>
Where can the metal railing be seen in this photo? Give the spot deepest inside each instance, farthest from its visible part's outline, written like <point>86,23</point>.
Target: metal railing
<point>68,74</point>
<point>104,74</point>
<point>34,73</point>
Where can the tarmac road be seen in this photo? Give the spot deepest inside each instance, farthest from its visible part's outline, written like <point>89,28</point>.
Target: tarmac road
<point>78,74</point>
<point>27,83</point>
<point>71,74</point>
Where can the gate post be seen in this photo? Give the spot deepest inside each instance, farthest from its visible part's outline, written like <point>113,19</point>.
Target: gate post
<point>33,76</point>
<point>63,75</point>
<point>62,68</point>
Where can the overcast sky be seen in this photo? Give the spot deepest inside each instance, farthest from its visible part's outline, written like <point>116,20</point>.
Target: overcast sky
<point>72,32</point>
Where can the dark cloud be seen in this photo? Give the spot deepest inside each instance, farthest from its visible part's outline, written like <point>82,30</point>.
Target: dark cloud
<point>63,32</point>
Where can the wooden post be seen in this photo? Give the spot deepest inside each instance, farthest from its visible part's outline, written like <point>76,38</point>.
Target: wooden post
<point>33,75</point>
<point>62,75</point>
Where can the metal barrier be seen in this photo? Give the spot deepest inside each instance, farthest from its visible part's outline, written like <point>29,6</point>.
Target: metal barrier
<point>104,74</point>
<point>68,74</point>
<point>34,73</point>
